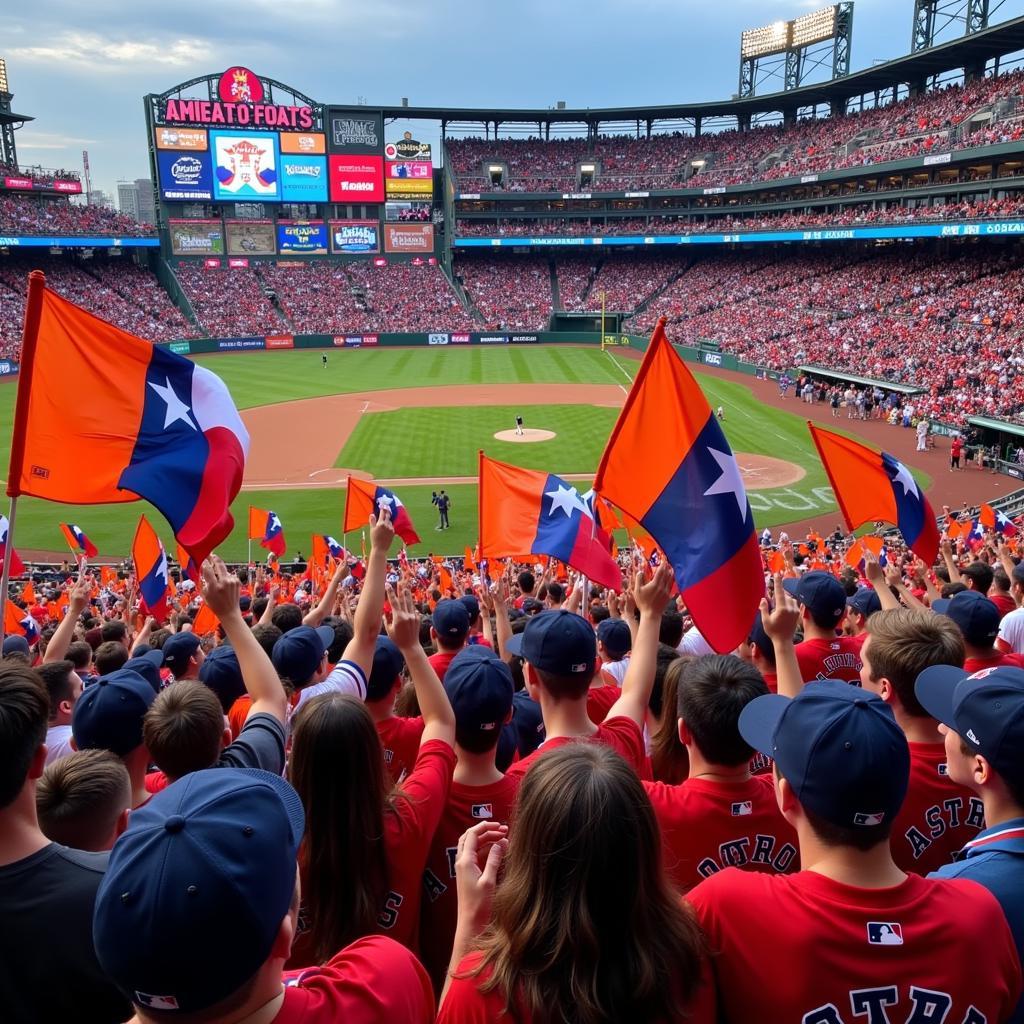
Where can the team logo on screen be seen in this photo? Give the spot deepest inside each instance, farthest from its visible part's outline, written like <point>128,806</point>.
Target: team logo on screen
<point>187,170</point>
<point>246,166</point>
<point>240,85</point>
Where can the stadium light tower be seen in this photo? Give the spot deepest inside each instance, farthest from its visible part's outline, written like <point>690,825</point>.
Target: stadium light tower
<point>787,53</point>
<point>9,121</point>
<point>937,21</point>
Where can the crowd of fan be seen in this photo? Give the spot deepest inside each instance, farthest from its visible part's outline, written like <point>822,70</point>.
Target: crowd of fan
<point>514,293</point>
<point>23,215</point>
<point>39,175</point>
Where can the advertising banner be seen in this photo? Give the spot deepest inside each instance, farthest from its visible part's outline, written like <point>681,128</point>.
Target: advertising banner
<point>524,339</point>
<point>412,238</point>
<point>422,170</point>
<point>211,264</point>
<point>246,165</point>
<point>459,339</point>
<point>437,339</point>
<point>181,348</point>
<point>407,148</point>
<point>280,341</point>
<point>356,179</point>
<point>184,176</point>
<point>8,368</point>
<point>355,130</point>
<point>307,143</point>
<point>405,188</point>
<point>65,185</point>
<point>181,138</point>
<point>196,237</point>
<point>228,344</point>
<point>493,339</point>
<point>355,236</point>
<point>238,263</point>
<point>309,238</point>
<point>250,237</point>
<point>303,179</point>
<point>71,187</point>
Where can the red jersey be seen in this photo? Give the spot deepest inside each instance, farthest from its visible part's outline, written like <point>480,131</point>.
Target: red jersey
<point>409,827</point>
<point>400,738</point>
<point>830,659</point>
<point>467,806</point>
<point>938,816</point>
<point>439,662</point>
<point>373,979</point>
<point>620,733</point>
<point>821,952</point>
<point>1004,603</point>
<point>709,825</point>
<point>600,700</point>
<point>994,660</point>
<point>465,1003</point>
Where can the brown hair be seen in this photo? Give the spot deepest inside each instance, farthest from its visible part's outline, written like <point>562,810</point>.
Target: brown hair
<point>80,797</point>
<point>906,641</point>
<point>24,712</point>
<point>565,687</point>
<point>585,925</point>
<point>183,728</point>
<point>110,656</point>
<point>670,760</point>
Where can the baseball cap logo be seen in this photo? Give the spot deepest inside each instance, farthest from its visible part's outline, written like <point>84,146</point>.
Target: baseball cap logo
<point>972,737</point>
<point>862,818</point>
<point>156,1002</point>
<point>943,768</point>
<point>885,933</point>
<point>578,667</point>
<point>741,808</point>
<point>983,673</point>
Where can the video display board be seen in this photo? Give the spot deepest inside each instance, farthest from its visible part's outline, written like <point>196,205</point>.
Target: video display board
<point>196,237</point>
<point>309,237</point>
<point>250,237</point>
<point>351,236</point>
<point>245,165</point>
<point>408,170</point>
<point>355,178</point>
<point>184,176</point>
<point>303,178</point>
<point>414,238</point>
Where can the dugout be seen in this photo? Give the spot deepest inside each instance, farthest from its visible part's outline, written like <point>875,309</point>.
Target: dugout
<point>1002,440</point>
<point>839,377</point>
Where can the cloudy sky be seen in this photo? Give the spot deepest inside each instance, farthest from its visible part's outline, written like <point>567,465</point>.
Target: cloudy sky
<point>82,69</point>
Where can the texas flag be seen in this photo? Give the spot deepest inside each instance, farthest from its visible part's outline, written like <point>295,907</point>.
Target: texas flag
<point>993,519</point>
<point>265,527</point>
<point>17,566</point>
<point>18,622</point>
<point>872,486</point>
<point>187,563</point>
<point>668,466</point>
<point>77,540</point>
<point>150,569</point>
<point>363,499</point>
<point>528,510</point>
<point>103,416</point>
<point>325,548</point>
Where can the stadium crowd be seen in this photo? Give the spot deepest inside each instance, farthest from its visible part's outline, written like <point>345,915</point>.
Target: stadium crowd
<point>39,175</point>
<point>508,293</point>
<point>31,216</point>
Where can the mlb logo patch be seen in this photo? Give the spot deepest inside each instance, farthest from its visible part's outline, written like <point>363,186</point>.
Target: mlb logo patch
<point>742,807</point>
<point>885,933</point>
<point>482,811</point>
<point>869,819</point>
<point>943,769</point>
<point>156,1002</point>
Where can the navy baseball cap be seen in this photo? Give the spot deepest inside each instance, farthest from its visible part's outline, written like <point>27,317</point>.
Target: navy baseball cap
<point>480,689</point>
<point>865,601</point>
<point>109,714</point>
<point>387,667</point>
<point>298,653</point>
<point>975,615</point>
<point>558,642</point>
<point>821,594</point>
<point>177,650</point>
<point>838,746</point>
<point>221,672</point>
<point>472,606</point>
<point>196,888</point>
<point>15,645</point>
<point>531,606</point>
<point>148,666</point>
<point>761,640</point>
<point>451,621</point>
<point>986,709</point>
<point>616,637</point>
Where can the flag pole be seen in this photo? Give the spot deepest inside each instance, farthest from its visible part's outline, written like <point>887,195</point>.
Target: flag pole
<point>6,574</point>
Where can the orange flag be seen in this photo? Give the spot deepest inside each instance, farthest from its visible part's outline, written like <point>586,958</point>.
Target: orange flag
<point>28,593</point>
<point>205,621</point>
<point>856,553</point>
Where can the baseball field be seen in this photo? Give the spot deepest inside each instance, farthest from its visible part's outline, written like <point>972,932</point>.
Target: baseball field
<point>414,419</point>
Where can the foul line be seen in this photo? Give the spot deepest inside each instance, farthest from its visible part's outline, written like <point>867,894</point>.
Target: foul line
<point>622,370</point>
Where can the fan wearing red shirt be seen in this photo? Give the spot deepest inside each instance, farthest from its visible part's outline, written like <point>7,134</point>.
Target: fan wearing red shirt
<point>480,688</point>
<point>449,628</point>
<point>560,653</point>
<point>823,654</point>
<point>938,816</point>
<point>852,937</point>
<point>978,621</point>
<point>720,816</point>
<point>399,737</point>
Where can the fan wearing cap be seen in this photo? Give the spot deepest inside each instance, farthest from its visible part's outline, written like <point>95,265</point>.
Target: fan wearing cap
<point>476,632</point>
<point>183,655</point>
<point>560,651</point>
<point>850,937</point>
<point>48,966</point>
<point>197,912</point>
<point>449,628</point>
<point>614,641</point>
<point>978,620</point>
<point>479,687</point>
<point>860,606</point>
<point>982,720</point>
<point>399,737</point>
<point>822,653</point>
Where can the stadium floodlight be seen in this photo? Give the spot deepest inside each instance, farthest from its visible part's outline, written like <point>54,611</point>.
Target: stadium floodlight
<point>814,27</point>
<point>495,169</point>
<point>760,42</point>
<point>3,75</point>
<point>588,168</point>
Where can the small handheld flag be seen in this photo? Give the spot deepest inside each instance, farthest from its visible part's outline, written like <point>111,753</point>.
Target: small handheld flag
<point>18,622</point>
<point>187,563</point>
<point>77,540</point>
<point>364,498</point>
<point>266,527</point>
<point>992,519</point>
<point>17,566</point>
<point>150,569</point>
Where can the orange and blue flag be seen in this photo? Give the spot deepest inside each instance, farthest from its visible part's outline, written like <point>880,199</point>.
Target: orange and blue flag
<point>77,540</point>
<point>150,570</point>
<point>17,566</point>
<point>325,548</point>
<point>528,510</point>
<point>265,526</point>
<point>871,486</point>
<point>187,563</point>
<point>103,416</point>
<point>18,622</point>
<point>363,498</point>
<point>993,519</point>
<point>668,466</point>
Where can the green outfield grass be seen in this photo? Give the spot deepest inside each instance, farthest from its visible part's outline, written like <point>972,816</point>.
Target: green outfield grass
<point>440,443</point>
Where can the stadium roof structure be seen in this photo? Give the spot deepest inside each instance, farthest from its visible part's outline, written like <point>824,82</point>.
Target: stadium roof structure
<point>853,378</point>
<point>965,51</point>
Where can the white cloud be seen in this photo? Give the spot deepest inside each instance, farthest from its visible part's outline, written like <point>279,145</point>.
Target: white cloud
<point>104,54</point>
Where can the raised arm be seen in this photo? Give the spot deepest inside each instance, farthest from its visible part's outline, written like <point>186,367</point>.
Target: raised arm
<point>780,625</point>
<point>876,577</point>
<point>220,590</point>
<point>366,626</point>
<point>65,633</point>
<point>946,548</point>
<point>323,608</point>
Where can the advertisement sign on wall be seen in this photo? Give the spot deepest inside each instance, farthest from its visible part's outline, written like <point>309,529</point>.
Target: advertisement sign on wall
<point>245,165</point>
<point>308,143</point>
<point>280,341</point>
<point>309,237</point>
<point>303,179</point>
<point>354,236</point>
<point>406,189</point>
<point>184,176</point>
<point>355,130</point>
<point>180,138</point>
<point>407,148</point>
<point>250,237</point>
<point>412,238</point>
<point>421,170</point>
<point>196,237</point>
<point>356,179</point>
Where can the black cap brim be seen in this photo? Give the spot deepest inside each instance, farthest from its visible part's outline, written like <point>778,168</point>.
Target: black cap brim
<point>934,689</point>
<point>515,645</point>
<point>759,720</point>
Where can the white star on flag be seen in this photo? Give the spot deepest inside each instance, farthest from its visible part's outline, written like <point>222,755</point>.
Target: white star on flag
<point>385,502</point>
<point>906,480</point>
<point>161,566</point>
<point>275,523</point>
<point>176,408</point>
<point>566,499</point>
<point>730,482</point>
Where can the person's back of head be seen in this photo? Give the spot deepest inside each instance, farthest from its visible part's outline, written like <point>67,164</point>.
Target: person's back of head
<point>975,616</point>
<point>184,729</point>
<point>585,857</point>
<point>978,576</point>
<point>286,616</point>
<point>671,630</point>
<point>480,690</point>
<point>114,631</point>
<point>670,760</point>
<point>24,714</point>
<point>556,594</point>
<point>560,650</point>
<point>110,656</point>
<point>337,768</point>
<point>266,636</point>
<point>58,678</point>
<point>80,655</point>
<point>713,691</point>
<point>343,633</point>
<point>1001,582</point>
<point>83,800</point>
<point>901,644</point>
<point>450,625</point>
<point>526,582</point>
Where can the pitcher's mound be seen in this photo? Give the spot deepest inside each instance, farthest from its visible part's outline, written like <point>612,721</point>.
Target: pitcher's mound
<point>526,437</point>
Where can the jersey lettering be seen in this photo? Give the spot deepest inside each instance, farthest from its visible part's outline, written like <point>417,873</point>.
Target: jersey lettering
<point>938,821</point>
<point>389,756</point>
<point>734,852</point>
<point>388,917</point>
<point>929,1007</point>
<point>871,1002</point>
<point>868,1006</point>
<point>451,852</point>
<point>433,886</point>
<point>827,1014</point>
